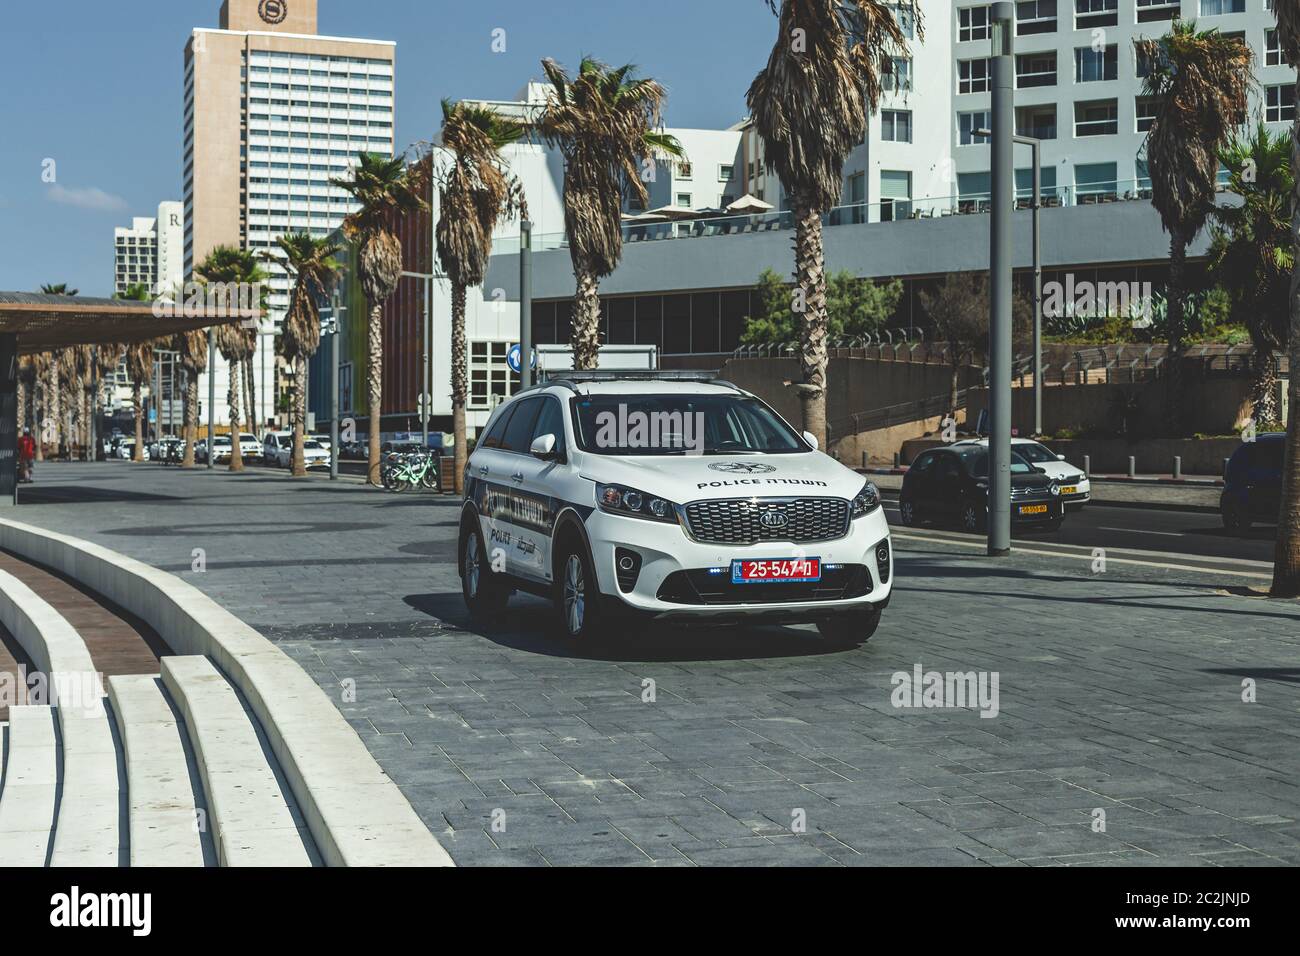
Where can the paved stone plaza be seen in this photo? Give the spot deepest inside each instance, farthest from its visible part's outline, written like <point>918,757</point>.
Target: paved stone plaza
<point>1118,692</point>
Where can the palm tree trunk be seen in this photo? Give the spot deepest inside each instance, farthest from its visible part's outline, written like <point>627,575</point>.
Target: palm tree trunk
<point>250,395</point>
<point>1286,552</point>
<point>1175,296</point>
<point>459,387</point>
<point>585,338</point>
<point>22,404</point>
<point>137,453</point>
<point>52,412</point>
<point>1264,387</point>
<point>299,416</point>
<point>232,396</point>
<point>952,390</point>
<point>191,416</point>
<point>375,386</point>
<point>38,417</point>
<point>810,275</point>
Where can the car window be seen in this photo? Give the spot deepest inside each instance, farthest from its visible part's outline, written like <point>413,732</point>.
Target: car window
<point>519,433</point>
<point>923,464</point>
<point>948,468</point>
<point>551,422</point>
<point>493,437</point>
<point>1265,455</point>
<point>1034,452</point>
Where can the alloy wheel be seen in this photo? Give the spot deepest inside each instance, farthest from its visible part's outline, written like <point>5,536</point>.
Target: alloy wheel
<point>574,595</point>
<point>471,565</point>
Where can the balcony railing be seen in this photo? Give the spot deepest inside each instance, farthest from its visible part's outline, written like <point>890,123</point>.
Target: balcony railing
<point>896,210</point>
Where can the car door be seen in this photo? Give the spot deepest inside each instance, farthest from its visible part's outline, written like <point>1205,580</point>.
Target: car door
<point>1264,479</point>
<point>491,489</point>
<point>530,506</point>
<point>945,486</point>
<point>917,484</point>
<point>538,488</point>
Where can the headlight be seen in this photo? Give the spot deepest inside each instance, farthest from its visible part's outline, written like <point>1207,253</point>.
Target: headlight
<point>867,500</point>
<point>620,500</point>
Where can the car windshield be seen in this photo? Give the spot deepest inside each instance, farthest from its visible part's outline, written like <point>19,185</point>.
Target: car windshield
<point>311,444</point>
<point>221,441</point>
<point>977,462</point>
<point>616,424</point>
<point>1035,453</point>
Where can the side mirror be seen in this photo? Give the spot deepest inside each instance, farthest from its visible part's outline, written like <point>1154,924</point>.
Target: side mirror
<point>543,447</point>
<point>1060,458</point>
<point>811,439</point>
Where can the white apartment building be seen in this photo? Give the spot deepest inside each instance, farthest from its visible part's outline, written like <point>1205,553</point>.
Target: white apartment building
<point>272,112</point>
<point>149,251</point>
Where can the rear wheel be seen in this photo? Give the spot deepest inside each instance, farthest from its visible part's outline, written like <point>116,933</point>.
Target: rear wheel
<point>907,511</point>
<point>484,590</point>
<point>1235,518</point>
<point>973,516</point>
<point>848,629</point>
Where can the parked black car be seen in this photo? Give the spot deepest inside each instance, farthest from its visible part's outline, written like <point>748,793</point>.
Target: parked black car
<point>950,485</point>
<point>1252,483</point>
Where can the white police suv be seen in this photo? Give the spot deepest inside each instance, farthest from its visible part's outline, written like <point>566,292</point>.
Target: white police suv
<point>668,498</point>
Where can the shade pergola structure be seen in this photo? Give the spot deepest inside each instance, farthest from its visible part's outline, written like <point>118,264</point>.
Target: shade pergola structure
<point>44,322</point>
<point>34,322</point>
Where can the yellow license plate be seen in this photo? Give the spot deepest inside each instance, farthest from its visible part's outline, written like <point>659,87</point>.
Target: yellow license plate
<point>1033,509</point>
<point>1069,489</point>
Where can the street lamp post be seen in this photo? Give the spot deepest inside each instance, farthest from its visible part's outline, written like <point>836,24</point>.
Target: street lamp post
<point>212,392</point>
<point>1002,15</point>
<point>525,303</point>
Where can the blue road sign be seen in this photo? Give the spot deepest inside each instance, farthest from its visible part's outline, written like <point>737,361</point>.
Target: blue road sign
<point>512,359</point>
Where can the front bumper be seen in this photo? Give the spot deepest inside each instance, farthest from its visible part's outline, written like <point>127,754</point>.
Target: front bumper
<point>665,552</point>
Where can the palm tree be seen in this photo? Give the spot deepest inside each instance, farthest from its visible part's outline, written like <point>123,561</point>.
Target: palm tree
<point>810,105</point>
<point>232,267</point>
<point>192,351</point>
<point>1198,82</point>
<point>1286,554</point>
<point>41,365</point>
<point>52,425</point>
<point>606,124</point>
<point>475,193</point>
<point>1251,255</point>
<point>59,289</point>
<point>139,368</point>
<point>386,189</point>
<point>314,269</point>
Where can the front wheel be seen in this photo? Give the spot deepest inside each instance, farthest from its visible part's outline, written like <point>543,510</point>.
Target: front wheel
<point>577,596</point>
<point>907,512</point>
<point>973,516</point>
<point>849,629</point>
<point>1235,518</point>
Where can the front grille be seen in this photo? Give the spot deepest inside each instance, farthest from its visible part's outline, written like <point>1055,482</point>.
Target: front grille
<point>701,586</point>
<point>740,520</point>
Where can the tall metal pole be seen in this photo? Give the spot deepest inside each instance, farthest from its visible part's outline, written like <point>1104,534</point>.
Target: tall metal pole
<point>1002,15</point>
<point>426,399</point>
<point>525,304</point>
<point>1038,290</point>
<point>212,391</point>
<point>334,389</point>
<point>94,404</point>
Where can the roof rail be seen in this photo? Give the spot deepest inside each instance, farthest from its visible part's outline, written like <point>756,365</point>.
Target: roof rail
<point>573,377</point>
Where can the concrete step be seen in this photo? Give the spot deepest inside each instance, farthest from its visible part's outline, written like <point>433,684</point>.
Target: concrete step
<point>90,828</point>
<point>31,785</point>
<point>167,810</point>
<point>253,818</point>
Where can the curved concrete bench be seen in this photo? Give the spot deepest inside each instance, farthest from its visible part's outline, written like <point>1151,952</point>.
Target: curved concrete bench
<point>356,814</point>
<point>166,808</point>
<point>88,831</point>
<point>31,787</point>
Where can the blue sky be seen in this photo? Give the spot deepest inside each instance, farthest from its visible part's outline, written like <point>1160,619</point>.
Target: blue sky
<point>96,86</point>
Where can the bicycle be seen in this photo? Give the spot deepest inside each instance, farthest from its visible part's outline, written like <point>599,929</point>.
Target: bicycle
<point>417,469</point>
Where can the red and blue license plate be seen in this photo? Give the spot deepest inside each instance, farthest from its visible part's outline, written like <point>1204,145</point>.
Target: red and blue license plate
<point>775,570</point>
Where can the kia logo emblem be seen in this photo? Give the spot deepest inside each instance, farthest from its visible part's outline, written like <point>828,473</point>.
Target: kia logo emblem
<point>774,519</point>
<point>273,11</point>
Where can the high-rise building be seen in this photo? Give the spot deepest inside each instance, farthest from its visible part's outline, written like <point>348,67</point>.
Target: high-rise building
<point>272,112</point>
<point>148,252</point>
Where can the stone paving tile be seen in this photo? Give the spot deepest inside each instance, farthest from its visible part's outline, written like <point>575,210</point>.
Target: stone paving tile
<point>1119,692</point>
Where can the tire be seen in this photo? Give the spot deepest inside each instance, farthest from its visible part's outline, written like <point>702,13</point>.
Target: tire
<point>973,516</point>
<point>577,595</point>
<point>907,512</point>
<point>1054,525</point>
<point>484,591</point>
<point>1235,518</point>
<point>850,629</point>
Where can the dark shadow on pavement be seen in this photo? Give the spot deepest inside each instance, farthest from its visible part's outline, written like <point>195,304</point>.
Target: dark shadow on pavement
<point>37,494</point>
<point>525,626</point>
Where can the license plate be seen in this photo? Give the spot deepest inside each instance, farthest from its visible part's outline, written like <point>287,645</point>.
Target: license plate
<point>1033,509</point>
<point>1069,489</point>
<point>775,570</point>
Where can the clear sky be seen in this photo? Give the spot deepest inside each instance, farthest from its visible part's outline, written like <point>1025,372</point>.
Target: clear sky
<point>95,85</point>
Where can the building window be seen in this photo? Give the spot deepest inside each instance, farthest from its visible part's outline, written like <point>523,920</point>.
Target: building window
<point>1149,10</point>
<point>490,378</point>
<point>1279,104</point>
<point>896,126</point>
<point>895,195</point>
<point>1038,122</point>
<point>1035,69</point>
<point>1272,48</point>
<point>683,170</point>
<point>1143,179</point>
<point>973,76</point>
<point>906,18</point>
<point>725,173</point>
<point>684,200</point>
<point>899,76</point>
<point>1025,182</point>
<point>1095,13</point>
<point>1096,181</point>
<point>1098,118</point>
<point>972,24</point>
<point>968,123</point>
<point>1145,109</point>
<point>1092,65</point>
<point>1215,8</point>
<point>1035,16</point>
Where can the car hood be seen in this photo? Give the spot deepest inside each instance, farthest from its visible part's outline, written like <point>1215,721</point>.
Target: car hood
<point>685,478</point>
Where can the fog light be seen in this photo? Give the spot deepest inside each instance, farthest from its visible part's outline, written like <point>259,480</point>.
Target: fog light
<point>882,561</point>
<point>627,565</point>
